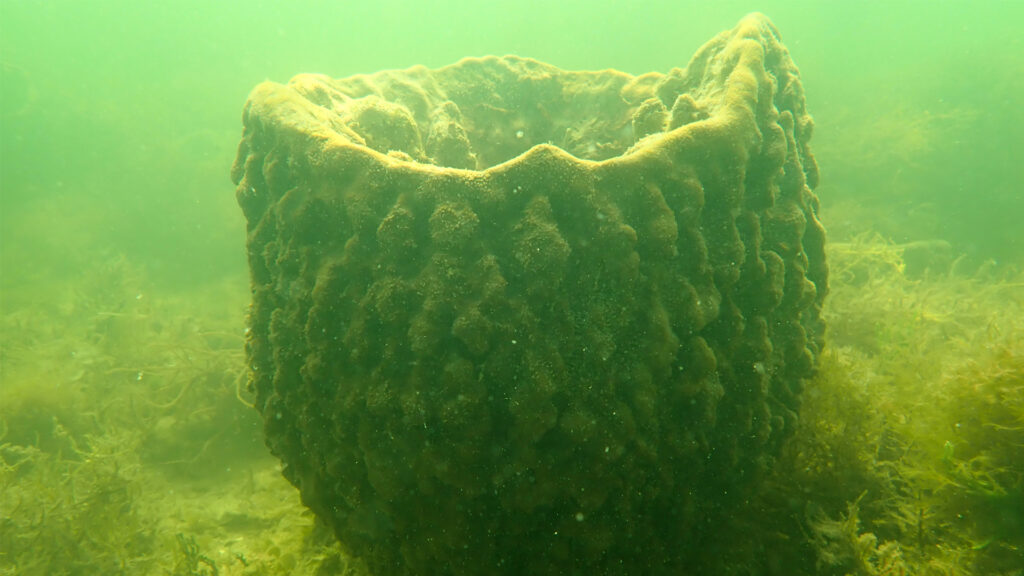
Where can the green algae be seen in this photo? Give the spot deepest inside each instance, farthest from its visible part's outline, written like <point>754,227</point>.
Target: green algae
<point>916,417</point>
<point>121,428</point>
<point>907,455</point>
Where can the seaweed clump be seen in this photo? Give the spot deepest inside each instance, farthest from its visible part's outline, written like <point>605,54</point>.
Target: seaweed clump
<point>909,458</point>
<point>120,428</point>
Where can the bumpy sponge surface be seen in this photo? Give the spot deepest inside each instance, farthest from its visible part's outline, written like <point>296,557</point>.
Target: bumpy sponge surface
<point>509,319</point>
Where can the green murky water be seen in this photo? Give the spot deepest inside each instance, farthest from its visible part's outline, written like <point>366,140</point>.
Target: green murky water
<point>126,446</point>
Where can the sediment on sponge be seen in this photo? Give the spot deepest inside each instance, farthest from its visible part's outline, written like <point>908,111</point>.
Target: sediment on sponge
<point>514,319</point>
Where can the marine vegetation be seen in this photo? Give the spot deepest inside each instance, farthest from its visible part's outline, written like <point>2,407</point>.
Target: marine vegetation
<point>910,454</point>
<point>908,459</point>
<point>124,448</point>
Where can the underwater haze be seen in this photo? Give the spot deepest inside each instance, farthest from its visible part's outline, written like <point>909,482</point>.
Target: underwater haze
<point>125,115</point>
<point>128,439</point>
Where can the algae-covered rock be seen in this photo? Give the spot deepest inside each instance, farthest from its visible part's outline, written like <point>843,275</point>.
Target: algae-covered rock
<point>509,319</point>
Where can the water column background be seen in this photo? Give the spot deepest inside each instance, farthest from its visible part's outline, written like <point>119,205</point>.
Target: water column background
<point>126,445</point>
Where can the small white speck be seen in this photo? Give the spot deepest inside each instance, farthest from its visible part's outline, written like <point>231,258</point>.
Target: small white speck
<point>520,133</point>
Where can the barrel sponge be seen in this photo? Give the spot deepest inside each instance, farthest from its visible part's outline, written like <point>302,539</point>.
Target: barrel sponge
<point>510,319</point>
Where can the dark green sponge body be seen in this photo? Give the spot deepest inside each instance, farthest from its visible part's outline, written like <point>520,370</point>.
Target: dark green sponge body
<point>509,319</point>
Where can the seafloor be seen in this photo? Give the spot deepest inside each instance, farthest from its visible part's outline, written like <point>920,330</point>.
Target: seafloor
<point>127,447</point>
